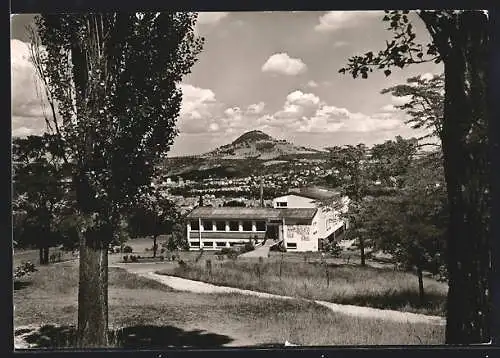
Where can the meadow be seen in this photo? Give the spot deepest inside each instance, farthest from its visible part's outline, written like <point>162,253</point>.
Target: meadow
<point>305,276</point>
<point>147,314</point>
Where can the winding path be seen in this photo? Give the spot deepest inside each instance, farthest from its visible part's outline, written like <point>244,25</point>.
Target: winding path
<point>182,284</point>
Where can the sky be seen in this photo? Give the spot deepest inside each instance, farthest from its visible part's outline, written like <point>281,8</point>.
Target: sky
<point>272,71</point>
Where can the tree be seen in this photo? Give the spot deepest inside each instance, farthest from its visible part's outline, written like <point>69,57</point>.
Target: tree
<point>411,224</point>
<point>425,104</point>
<point>392,159</point>
<point>178,238</point>
<point>153,217</point>
<point>38,193</point>
<point>351,162</point>
<point>460,40</point>
<point>234,203</point>
<point>114,79</point>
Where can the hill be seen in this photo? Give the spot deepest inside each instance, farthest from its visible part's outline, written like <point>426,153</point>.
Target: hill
<point>257,145</point>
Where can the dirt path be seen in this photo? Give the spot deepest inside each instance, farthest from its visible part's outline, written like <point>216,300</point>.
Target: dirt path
<point>182,284</point>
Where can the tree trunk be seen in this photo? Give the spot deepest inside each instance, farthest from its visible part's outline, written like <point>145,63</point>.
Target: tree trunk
<point>93,290</point>
<point>155,247</point>
<point>421,294</point>
<point>43,255</point>
<point>463,47</point>
<point>362,251</point>
<point>46,255</point>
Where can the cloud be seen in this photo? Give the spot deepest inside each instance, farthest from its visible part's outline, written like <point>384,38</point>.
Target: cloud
<point>335,20</point>
<point>312,84</point>
<point>307,113</point>
<point>27,108</point>
<point>389,108</point>
<point>256,108</point>
<point>201,112</point>
<point>211,18</point>
<point>399,101</point>
<point>338,44</point>
<point>197,108</point>
<point>283,64</point>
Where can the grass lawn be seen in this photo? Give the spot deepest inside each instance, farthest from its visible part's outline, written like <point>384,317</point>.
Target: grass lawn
<point>146,314</point>
<point>346,284</point>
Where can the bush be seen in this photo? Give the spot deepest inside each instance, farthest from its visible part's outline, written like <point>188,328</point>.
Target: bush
<point>117,250</point>
<point>162,258</point>
<point>127,249</point>
<point>162,251</point>
<point>173,257</point>
<point>24,269</point>
<point>247,247</point>
<point>125,258</point>
<point>182,264</point>
<point>134,258</point>
<point>146,249</point>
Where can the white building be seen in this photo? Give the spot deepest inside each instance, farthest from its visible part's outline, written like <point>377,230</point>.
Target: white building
<point>328,221</point>
<point>298,221</point>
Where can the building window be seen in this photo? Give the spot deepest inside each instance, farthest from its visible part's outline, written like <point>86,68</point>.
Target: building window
<point>195,225</point>
<point>220,225</point>
<point>195,243</point>
<point>291,245</point>
<point>281,204</point>
<point>234,226</point>
<point>247,226</point>
<point>208,244</point>
<point>260,226</point>
<point>221,244</point>
<point>207,225</point>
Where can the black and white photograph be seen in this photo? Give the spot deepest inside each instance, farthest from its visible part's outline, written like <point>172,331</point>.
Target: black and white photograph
<point>256,179</point>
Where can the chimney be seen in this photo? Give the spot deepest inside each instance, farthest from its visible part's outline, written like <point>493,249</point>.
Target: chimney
<point>261,192</point>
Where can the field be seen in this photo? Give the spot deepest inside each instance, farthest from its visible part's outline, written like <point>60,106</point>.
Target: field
<point>146,314</point>
<point>304,276</point>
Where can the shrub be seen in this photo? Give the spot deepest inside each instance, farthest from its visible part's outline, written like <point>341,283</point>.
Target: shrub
<point>24,269</point>
<point>117,250</point>
<point>173,257</point>
<point>138,256</point>
<point>162,258</point>
<point>133,258</point>
<point>182,264</point>
<point>128,249</point>
<point>146,249</point>
<point>162,251</point>
<point>247,247</point>
<point>125,258</point>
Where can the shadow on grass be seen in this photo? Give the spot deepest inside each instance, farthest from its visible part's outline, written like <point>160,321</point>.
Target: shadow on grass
<point>434,304</point>
<point>132,337</point>
<point>19,285</point>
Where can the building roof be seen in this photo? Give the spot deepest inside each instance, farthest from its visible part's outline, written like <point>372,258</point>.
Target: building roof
<point>205,212</point>
<point>315,193</point>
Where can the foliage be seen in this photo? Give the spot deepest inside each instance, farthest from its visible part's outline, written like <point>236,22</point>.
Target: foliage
<point>116,97</point>
<point>249,246</point>
<point>332,247</point>
<point>114,79</point>
<point>127,249</point>
<point>25,269</point>
<point>353,166</point>
<point>460,39</point>
<point>41,197</point>
<point>392,159</point>
<point>426,102</point>
<point>234,203</point>
<point>178,238</point>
